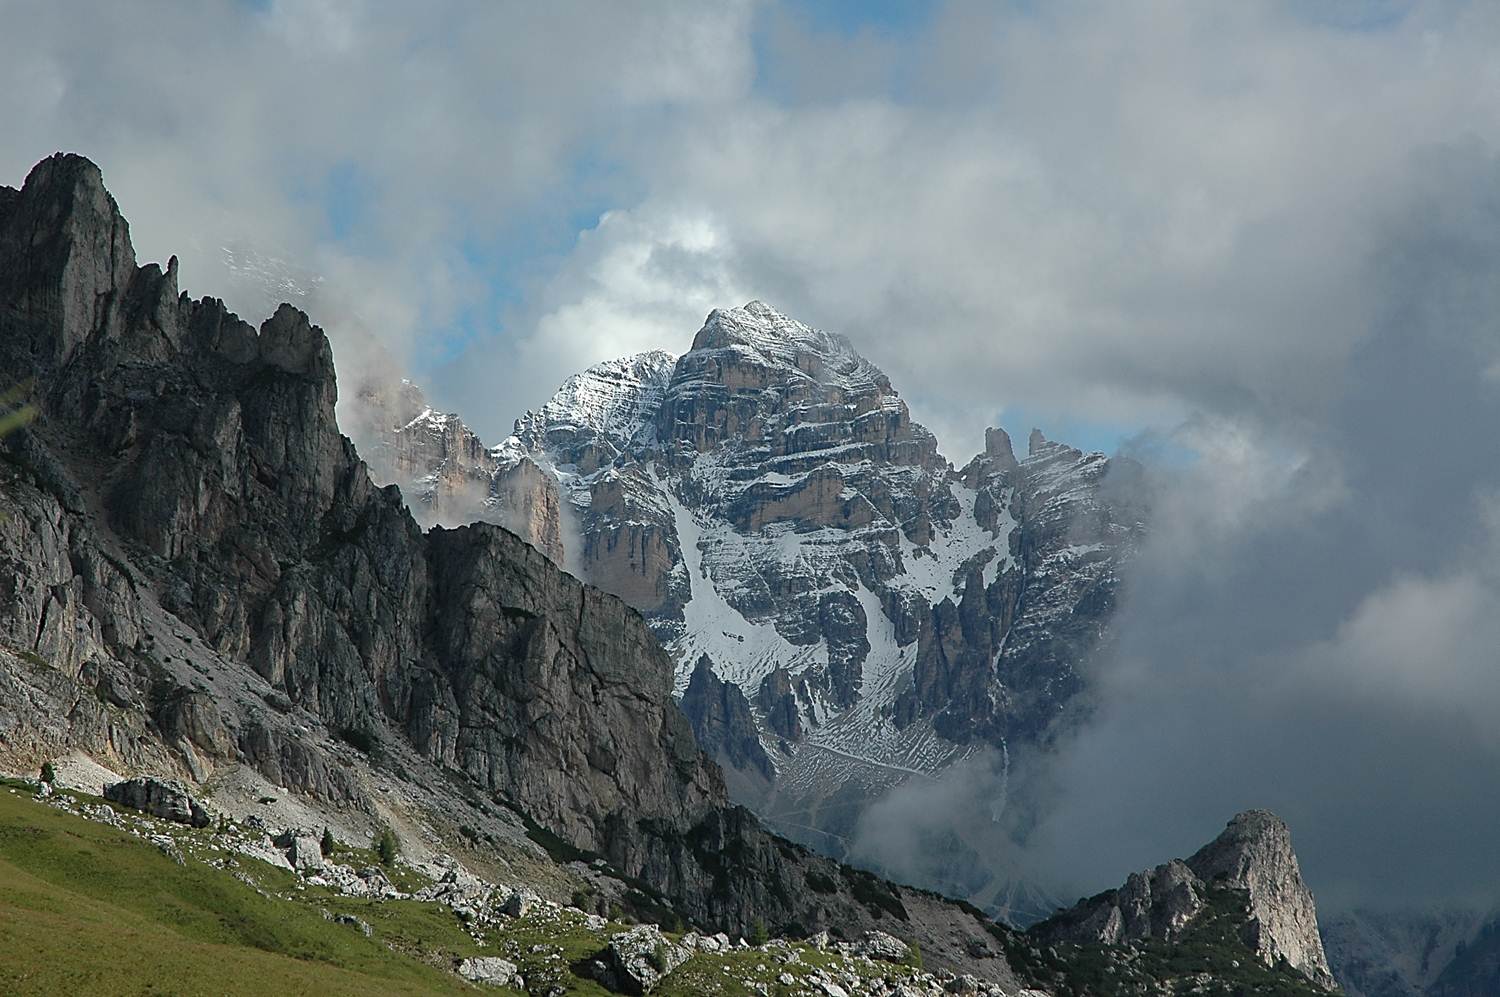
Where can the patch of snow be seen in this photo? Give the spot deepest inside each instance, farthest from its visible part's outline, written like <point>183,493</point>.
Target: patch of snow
<point>743,652</point>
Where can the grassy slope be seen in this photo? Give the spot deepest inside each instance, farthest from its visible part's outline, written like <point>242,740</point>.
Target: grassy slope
<point>87,908</point>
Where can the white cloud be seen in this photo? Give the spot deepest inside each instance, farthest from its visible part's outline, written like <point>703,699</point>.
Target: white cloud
<point>221,123</point>
<point>637,281</point>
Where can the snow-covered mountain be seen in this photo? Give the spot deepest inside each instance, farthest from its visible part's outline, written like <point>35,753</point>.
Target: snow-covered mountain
<point>873,613</point>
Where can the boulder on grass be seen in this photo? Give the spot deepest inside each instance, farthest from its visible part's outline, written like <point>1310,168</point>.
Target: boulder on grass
<point>638,959</point>
<point>886,948</point>
<point>166,799</point>
<point>490,971</point>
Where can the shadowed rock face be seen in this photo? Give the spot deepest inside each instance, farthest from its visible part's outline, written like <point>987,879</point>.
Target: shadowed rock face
<point>1443,952</point>
<point>721,720</point>
<point>1253,855</point>
<point>186,516</point>
<point>213,453</point>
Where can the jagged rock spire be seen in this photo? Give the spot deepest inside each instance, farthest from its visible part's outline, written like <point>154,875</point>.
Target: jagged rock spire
<point>1253,854</point>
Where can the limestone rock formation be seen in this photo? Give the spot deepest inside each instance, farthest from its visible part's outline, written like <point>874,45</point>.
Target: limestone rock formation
<point>303,850</point>
<point>1253,857</point>
<point>721,720</point>
<point>1254,853</point>
<point>446,473</point>
<point>490,971</point>
<point>635,961</point>
<point>159,798</point>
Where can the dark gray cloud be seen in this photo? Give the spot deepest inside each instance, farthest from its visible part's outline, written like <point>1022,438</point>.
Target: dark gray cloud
<point>1314,624</point>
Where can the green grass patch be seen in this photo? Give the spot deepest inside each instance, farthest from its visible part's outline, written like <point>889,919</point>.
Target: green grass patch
<point>85,908</point>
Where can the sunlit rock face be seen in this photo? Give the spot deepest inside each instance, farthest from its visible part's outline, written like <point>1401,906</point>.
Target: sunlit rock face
<point>1254,871</point>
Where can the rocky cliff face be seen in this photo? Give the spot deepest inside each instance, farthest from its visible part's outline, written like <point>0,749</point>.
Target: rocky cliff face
<point>1253,860</point>
<point>722,722</point>
<point>447,475</point>
<point>200,578</point>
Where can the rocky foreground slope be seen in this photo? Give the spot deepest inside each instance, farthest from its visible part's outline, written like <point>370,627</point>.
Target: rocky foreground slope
<point>198,579</point>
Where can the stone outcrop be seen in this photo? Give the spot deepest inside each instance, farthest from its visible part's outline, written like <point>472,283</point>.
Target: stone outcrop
<point>635,961</point>
<point>304,850</point>
<point>780,703</point>
<point>490,971</point>
<point>1254,853</point>
<point>883,947</point>
<point>165,799</point>
<point>1253,857</point>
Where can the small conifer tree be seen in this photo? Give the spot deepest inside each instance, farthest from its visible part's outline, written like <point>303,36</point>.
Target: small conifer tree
<point>386,846</point>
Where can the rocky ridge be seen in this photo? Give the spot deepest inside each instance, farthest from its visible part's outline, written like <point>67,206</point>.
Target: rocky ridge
<point>1251,862</point>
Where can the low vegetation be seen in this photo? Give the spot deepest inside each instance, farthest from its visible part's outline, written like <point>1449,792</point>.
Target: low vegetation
<point>98,909</point>
<point>1209,959</point>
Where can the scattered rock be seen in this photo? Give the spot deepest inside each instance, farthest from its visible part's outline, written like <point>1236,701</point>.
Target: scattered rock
<point>304,852</point>
<point>884,947</point>
<point>490,971</point>
<point>518,904</point>
<point>363,927</point>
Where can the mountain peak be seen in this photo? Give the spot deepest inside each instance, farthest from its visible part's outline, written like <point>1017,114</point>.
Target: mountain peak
<point>605,405</point>
<point>75,239</point>
<point>783,349</point>
<point>66,171</point>
<point>1253,854</point>
<point>754,324</point>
